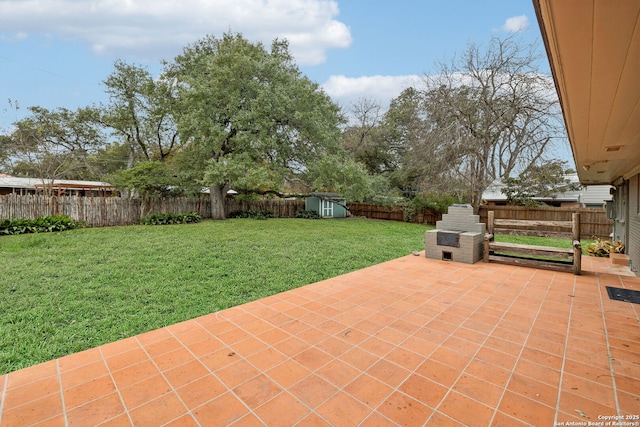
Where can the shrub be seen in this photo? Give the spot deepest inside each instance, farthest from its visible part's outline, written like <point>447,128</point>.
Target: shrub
<point>602,248</point>
<point>252,214</point>
<point>308,214</point>
<point>42,224</point>
<point>168,218</point>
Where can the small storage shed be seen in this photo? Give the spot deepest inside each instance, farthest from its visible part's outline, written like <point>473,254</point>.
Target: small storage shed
<point>328,205</point>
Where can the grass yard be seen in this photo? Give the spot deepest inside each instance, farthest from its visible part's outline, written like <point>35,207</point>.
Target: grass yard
<point>61,293</point>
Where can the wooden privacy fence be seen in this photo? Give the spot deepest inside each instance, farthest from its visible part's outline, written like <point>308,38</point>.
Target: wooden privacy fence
<point>593,222</point>
<point>393,213</point>
<point>112,211</point>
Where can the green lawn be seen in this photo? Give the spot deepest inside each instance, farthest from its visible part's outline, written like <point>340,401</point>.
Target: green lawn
<point>65,292</point>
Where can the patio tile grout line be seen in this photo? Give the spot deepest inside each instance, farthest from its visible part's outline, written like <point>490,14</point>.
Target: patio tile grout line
<point>3,395</point>
<point>564,352</point>
<point>113,380</point>
<point>64,405</point>
<point>436,410</point>
<point>518,358</point>
<point>606,336</point>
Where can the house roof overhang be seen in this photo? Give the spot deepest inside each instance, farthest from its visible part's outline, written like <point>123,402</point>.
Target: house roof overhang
<point>594,52</point>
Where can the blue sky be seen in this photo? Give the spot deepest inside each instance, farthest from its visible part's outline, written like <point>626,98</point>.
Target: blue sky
<point>56,53</point>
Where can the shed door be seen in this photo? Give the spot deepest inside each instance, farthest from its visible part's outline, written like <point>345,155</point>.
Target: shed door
<point>326,208</point>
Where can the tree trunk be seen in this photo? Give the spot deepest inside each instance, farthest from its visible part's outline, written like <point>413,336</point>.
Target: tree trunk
<point>217,193</point>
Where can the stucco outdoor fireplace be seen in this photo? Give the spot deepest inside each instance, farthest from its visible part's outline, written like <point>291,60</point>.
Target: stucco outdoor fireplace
<point>458,237</point>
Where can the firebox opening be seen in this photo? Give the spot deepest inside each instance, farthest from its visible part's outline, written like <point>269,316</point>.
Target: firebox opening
<point>447,256</point>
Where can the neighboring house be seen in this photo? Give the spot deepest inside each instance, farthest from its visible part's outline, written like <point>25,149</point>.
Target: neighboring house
<point>594,52</point>
<point>590,196</point>
<point>327,205</point>
<point>59,187</point>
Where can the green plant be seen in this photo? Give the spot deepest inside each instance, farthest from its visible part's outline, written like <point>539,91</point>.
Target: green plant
<point>41,224</point>
<point>252,214</point>
<point>308,214</point>
<point>168,218</point>
<point>602,248</point>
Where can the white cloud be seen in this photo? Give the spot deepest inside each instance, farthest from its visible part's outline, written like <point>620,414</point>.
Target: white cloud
<point>382,89</point>
<point>152,29</point>
<point>516,24</point>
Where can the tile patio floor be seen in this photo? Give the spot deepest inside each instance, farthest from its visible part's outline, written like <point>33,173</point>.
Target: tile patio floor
<point>408,342</point>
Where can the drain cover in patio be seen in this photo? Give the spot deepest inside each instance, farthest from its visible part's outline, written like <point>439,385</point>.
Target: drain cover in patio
<point>627,295</point>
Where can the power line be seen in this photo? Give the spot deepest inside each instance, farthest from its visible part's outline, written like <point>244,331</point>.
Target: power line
<point>35,68</point>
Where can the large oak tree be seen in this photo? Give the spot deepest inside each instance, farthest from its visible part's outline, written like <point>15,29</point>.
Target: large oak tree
<point>246,115</point>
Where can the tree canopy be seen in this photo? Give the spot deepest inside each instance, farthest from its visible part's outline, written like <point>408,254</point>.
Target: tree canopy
<point>246,115</point>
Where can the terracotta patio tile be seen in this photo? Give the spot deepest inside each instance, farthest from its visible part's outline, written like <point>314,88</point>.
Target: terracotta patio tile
<point>405,410</point>
<point>201,391</point>
<point>219,359</point>
<point>368,390</point>
<point>266,359</point>
<point>313,390</point>
<point>291,346</point>
<point>96,411</point>
<point>538,372</point>
<point>206,346</point>
<point>569,402</point>
<point>465,409</point>
<point>342,409</point>
<point>313,336</point>
<point>332,345</point>
<point>591,390</point>
<point>88,391</point>
<point>359,358</point>
<point>502,419</point>
<point>478,389</point>
<point>419,345</point>
<point>377,420</point>
<point>405,358</point>
<point>273,336</point>
<point>120,346</point>
<point>272,413</point>
<point>338,373</point>
<point>193,335</point>
<point>534,390</point>
<point>134,373</point>
<point>33,373</point>
<point>589,372</point>
<point>288,373</point>
<point>186,420</point>
<point>184,374</point>
<point>154,336</point>
<point>173,358</point>
<point>497,358</point>
<point>76,360</point>
<point>236,373</point>
<point>438,419</point>
<point>438,372</point>
<point>249,346</point>
<point>313,420</point>
<point>257,390</point>
<point>83,374</point>
<point>526,410</point>
<point>376,346</point>
<point>144,391</point>
<point>488,372</point>
<point>424,390</point>
<point>126,358</point>
<point>117,421</point>
<point>32,411</point>
<point>221,411</point>
<point>38,389</point>
<point>162,346</point>
<point>451,358</point>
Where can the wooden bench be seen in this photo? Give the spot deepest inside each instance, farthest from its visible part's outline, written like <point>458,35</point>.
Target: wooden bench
<point>561,259</point>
